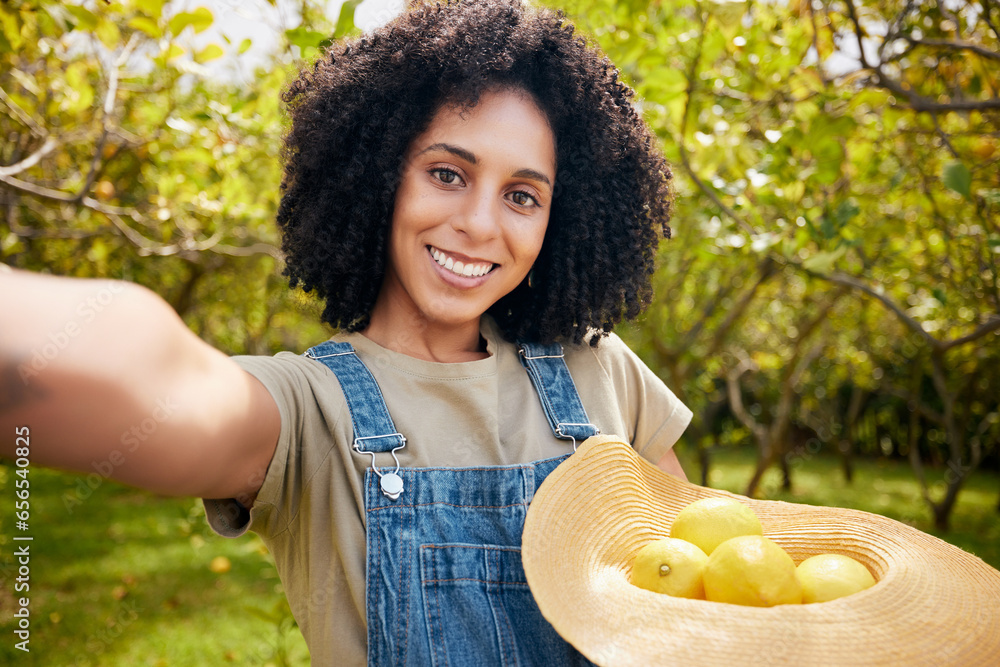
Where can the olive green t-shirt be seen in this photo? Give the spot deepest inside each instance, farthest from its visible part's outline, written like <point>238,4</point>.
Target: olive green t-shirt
<point>310,508</point>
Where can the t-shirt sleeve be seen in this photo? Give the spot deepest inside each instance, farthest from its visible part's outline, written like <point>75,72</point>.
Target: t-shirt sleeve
<point>283,377</point>
<point>656,417</point>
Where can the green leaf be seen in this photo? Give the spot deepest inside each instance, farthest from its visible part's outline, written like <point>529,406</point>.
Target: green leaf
<point>827,227</point>
<point>10,35</point>
<point>345,22</point>
<point>957,177</point>
<point>152,8</point>
<point>210,52</point>
<point>146,25</point>
<point>665,80</point>
<point>831,225</point>
<point>108,33</point>
<point>77,78</point>
<point>822,262</point>
<point>11,244</point>
<point>846,210</point>
<point>174,51</point>
<point>199,19</point>
<point>728,12</point>
<point>304,37</point>
<point>829,157</point>
<point>98,251</point>
<point>85,19</point>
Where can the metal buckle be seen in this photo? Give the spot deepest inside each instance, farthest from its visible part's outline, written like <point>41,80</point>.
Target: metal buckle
<point>390,483</point>
<point>540,356</point>
<point>560,434</point>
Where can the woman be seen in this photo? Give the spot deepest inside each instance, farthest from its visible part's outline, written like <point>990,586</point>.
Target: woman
<point>475,198</point>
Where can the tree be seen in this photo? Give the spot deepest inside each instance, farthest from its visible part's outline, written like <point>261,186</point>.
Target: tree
<point>123,159</point>
<point>856,144</point>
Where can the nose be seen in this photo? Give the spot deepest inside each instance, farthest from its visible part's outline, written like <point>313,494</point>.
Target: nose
<point>480,217</point>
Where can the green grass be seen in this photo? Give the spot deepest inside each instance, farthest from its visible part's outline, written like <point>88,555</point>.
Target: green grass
<point>125,578</point>
<point>882,486</point>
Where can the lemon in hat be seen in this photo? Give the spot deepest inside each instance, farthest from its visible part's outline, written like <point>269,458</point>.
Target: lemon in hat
<point>827,577</point>
<point>670,566</point>
<point>709,522</point>
<point>751,570</point>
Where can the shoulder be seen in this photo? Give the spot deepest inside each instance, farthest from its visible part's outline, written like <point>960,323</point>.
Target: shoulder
<point>299,385</point>
<point>282,364</point>
<point>611,355</point>
<point>285,369</point>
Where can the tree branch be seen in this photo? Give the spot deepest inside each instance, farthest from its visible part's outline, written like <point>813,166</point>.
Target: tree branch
<point>914,399</point>
<point>51,143</point>
<point>987,8</point>
<point>736,399</point>
<point>766,271</point>
<point>246,251</point>
<point>692,74</point>
<point>21,115</point>
<point>916,102</point>
<point>109,107</point>
<point>987,327</point>
<point>853,283</point>
<point>956,46</point>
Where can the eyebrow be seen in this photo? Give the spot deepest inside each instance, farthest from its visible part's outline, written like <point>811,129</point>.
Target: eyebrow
<point>470,157</point>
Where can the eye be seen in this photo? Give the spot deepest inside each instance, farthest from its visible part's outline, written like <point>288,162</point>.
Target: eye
<point>522,198</point>
<point>446,176</point>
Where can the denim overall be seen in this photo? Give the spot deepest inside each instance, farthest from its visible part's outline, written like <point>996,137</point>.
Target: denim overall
<point>445,585</point>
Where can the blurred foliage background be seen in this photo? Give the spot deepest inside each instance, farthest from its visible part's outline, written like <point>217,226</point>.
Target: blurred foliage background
<point>830,295</point>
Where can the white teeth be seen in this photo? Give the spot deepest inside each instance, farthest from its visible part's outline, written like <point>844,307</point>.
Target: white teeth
<point>460,268</point>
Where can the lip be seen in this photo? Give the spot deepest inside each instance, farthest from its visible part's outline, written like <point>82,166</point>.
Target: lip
<point>455,280</point>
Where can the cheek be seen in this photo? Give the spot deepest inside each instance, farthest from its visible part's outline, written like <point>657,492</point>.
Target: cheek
<point>532,241</point>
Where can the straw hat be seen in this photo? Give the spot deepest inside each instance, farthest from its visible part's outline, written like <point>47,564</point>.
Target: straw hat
<point>933,604</point>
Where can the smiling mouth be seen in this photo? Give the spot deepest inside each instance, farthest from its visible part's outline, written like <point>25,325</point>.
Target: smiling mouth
<point>459,268</point>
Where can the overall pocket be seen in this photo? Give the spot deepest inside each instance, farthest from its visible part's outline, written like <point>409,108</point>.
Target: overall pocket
<point>480,611</point>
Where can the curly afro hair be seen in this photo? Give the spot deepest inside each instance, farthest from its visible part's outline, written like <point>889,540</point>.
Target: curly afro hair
<point>355,112</point>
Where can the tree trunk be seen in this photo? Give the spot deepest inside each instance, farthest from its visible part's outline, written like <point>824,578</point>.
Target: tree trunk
<point>846,448</point>
<point>847,445</point>
<point>786,474</point>
<point>184,299</point>
<point>758,473</point>
<point>943,509</point>
<point>705,459</point>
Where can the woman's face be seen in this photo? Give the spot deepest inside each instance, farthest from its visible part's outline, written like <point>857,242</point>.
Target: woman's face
<point>471,210</point>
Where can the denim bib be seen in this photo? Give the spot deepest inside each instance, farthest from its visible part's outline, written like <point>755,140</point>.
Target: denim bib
<point>445,585</point>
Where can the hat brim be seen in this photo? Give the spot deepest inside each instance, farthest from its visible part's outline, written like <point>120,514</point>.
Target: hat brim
<point>933,604</point>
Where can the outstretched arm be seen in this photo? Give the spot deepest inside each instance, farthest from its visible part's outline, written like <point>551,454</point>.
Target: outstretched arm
<point>105,372</point>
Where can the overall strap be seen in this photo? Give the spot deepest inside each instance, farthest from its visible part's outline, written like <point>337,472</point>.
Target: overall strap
<point>548,372</point>
<point>373,427</point>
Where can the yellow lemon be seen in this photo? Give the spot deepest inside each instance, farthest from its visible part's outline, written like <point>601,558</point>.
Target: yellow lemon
<point>751,570</point>
<point>709,522</point>
<point>670,566</point>
<point>831,576</point>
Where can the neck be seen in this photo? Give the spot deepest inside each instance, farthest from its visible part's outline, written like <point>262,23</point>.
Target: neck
<point>423,339</point>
